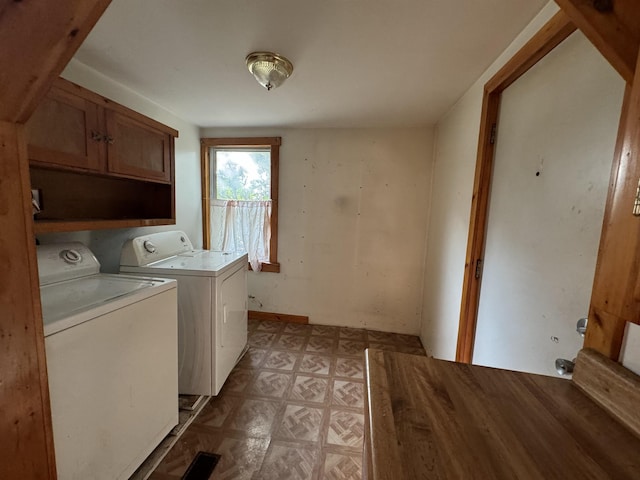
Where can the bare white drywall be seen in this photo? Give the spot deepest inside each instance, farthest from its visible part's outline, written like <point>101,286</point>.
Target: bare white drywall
<point>555,145</point>
<point>106,244</point>
<point>454,167</point>
<point>353,209</point>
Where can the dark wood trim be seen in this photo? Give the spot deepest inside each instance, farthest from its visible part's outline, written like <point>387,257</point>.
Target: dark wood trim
<point>550,35</point>
<point>614,31</point>
<point>277,317</point>
<point>273,143</point>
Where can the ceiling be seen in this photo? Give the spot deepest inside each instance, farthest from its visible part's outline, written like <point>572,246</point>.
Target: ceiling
<point>357,63</point>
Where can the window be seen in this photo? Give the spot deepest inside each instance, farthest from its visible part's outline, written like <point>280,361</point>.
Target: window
<point>240,197</point>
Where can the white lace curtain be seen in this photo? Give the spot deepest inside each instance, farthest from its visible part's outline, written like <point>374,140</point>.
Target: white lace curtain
<point>242,225</point>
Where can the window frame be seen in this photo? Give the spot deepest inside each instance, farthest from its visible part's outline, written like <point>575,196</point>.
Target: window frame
<point>273,144</point>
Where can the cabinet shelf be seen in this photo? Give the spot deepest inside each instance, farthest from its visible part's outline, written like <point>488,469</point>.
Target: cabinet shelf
<point>97,164</point>
<point>51,226</point>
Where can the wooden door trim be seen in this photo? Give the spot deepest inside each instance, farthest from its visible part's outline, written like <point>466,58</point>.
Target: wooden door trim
<point>554,32</point>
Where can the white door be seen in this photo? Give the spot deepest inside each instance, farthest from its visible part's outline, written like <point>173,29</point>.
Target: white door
<point>555,144</point>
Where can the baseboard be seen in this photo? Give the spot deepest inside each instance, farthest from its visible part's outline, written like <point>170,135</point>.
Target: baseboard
<point>277,317</point>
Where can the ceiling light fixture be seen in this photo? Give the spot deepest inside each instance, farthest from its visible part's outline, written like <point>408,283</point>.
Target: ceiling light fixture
<point>270,69</point>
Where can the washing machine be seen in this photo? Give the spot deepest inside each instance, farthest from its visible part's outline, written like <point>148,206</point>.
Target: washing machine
<point>212,304</point>
<point>111,352</point>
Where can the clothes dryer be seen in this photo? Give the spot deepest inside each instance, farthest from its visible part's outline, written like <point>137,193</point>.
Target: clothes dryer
<point>212,304</point>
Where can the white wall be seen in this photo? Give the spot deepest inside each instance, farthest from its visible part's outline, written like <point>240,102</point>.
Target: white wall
<point>353,214</point>
<point>454,167</point>
<point>106,244</point>
<point>555,146</point>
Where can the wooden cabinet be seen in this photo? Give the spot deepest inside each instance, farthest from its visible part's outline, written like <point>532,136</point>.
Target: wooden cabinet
<point>137,149</point>
<point>98,164</point>
<point>64,131</point>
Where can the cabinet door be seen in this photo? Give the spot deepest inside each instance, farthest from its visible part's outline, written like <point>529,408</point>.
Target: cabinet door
<point>137,149</point>
<point>64,131</point>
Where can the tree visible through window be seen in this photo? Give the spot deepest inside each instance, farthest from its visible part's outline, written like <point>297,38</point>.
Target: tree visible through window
<point>242,174</point>
<point>240,178</point>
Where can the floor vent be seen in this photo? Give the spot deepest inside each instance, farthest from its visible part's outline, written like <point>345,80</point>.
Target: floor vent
<point>202,466</point>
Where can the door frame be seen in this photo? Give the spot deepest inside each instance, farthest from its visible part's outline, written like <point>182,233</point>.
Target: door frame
<point>554,32</point>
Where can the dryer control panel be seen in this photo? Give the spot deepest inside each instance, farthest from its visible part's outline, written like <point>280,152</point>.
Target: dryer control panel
<point>154,247</point>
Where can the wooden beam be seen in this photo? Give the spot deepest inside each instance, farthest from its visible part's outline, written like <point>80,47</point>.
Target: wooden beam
<point>38,39</point>
<point>558,28</point>
<point>605,333</point>
<point>26,439</point>
<point>615,297</point>
<point>613,26</point>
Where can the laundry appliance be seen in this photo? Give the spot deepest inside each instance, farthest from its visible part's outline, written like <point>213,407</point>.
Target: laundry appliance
<point>111,353</point>
<point>212,304</point>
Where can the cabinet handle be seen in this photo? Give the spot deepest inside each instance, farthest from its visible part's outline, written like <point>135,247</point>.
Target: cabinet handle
<point>96,136</point>
<point>108,139</point>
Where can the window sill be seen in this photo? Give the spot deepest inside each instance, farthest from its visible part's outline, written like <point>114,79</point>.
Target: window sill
<point>268,267</point>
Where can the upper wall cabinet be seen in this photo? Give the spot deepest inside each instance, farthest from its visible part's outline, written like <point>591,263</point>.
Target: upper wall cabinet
<point>64,131</point>
<point>77,129</point>
<point>137,149</point>
<point>97,164</point>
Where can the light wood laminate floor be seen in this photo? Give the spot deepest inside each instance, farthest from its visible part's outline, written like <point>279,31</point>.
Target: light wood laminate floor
<point>293,407</point>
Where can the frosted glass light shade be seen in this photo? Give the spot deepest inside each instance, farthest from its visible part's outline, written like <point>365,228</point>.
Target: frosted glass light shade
<point>270,69</point>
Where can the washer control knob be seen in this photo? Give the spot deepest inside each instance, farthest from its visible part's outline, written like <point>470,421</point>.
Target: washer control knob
<point>71,256</point>
<point>148,246</point>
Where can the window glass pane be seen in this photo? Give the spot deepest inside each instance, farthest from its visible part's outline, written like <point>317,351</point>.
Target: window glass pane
<point>242,174</point>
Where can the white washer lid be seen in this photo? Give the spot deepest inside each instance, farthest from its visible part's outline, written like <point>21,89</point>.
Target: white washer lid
<point>68,303</point>
<point>202,263</point>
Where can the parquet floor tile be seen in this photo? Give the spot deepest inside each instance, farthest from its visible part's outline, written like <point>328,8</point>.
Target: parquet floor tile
<point>291,409</point>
